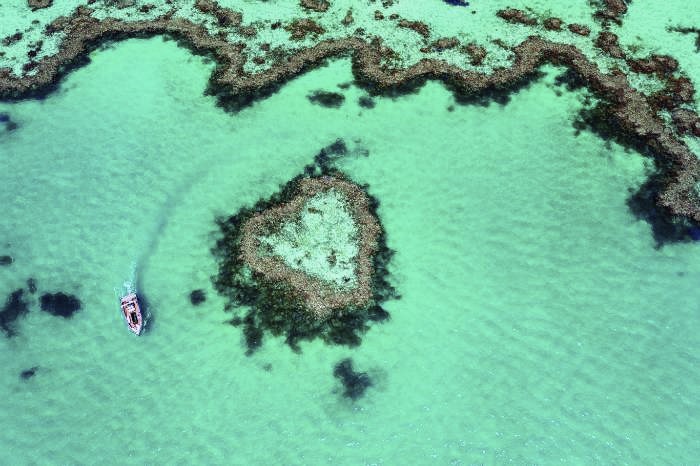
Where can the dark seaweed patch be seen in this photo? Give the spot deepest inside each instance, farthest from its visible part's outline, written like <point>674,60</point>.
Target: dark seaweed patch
<point>15,306</point>
<point>694,233</point>
<point>6,119</point>
<point>366,101</point>
<point>6,260</point>
<point>60,304</point>
<point>354,383</point>
<point>326,99</point>
<point>252,332</point>
<point>326,156</point>
<point>197,297</point>
<point>28,373</point>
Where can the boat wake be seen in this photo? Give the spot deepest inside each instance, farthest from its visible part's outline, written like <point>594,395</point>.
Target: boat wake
<point>133,284</point>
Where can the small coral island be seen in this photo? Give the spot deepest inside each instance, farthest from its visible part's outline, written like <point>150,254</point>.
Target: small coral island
<point>308,262</point>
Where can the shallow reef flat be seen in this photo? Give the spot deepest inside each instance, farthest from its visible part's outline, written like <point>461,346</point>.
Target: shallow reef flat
<point>645,99</point>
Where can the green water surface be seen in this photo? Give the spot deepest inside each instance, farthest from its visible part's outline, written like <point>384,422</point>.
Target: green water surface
<point>537,324</point>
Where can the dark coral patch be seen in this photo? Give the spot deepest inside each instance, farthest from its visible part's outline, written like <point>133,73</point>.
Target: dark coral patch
<point>457,2</point>
<point>515,16</point>
<point>319,6</point>
<point>354,383</point>
<point>417,26</point>
<point>224,16</point>
<point>15,306</point>
<point>580,29</point>
<point>326,99</point>
<point>197,297</point>
<point>28,373</point>
<point>60,304</point>
<point>366,101</point>
<point>327,155</point>
<point>299,29</point>
<point>694,233</point>
<point>39,4</point>
<point>10,125</point>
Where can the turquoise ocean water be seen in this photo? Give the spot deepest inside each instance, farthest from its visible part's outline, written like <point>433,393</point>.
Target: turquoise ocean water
<point>537,325</point>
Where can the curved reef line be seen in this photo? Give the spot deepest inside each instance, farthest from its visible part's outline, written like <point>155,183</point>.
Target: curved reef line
<point>627,111</point>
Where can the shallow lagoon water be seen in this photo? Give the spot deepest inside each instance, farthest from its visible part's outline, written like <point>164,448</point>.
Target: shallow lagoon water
<point>537,323</point>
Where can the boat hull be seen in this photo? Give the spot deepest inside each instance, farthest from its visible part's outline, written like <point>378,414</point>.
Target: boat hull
<point>132,313</point>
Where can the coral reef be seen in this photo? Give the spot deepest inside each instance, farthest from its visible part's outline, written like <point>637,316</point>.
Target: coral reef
<point>326,99</point>
<point>28,373</point>
<point>687,122</point>
<point>15,307</point>
<point>354,383</point>
<point>197,297</point>
<point>515,16</point>
<point>608,43</point>
<point>553,24</point>
<point>320,296</point>
<point>300,28</point>
<point>580,29</point>
<point>444,43</point>
<point>417,26</point>
<point>476,53</point>
<point>627,109</point>
<point>39,4</point>
<point>319,6</point>
<point>457,2</point>
<point>60,304</point>
<point>611,10</point>
<point>366,102</point>
<point>224,16</point>
<point>301,275</point>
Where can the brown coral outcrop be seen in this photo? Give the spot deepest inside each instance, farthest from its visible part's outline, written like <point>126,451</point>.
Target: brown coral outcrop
<point>608,43</point>
<point>348,19</point>
<point>300,28</point>
<point>661,65</point>
<point>612,10</point>
<point>579,29</point>
<point>39,4</point>
<point>225,16</point>
<point>515,16</point>
<point>476,53</point>
<point>417,26</point>
<point>687,122</point>
<point>553,24</point>
<point>319,6</point>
